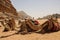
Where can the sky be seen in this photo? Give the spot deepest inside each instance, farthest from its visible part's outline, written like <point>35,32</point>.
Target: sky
<point>37,8</point>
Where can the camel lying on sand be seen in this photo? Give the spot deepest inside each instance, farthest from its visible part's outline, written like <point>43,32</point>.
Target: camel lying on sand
<point>50,25</point>
<point>8,25</point>
<point>28,26</point>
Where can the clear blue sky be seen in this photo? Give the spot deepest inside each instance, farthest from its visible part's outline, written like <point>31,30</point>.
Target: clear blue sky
<point>37,8</point>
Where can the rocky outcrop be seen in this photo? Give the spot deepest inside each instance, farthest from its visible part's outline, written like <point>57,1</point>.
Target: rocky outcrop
<point>6,6</point>
<point>23,15</point>
<point>53,15</point>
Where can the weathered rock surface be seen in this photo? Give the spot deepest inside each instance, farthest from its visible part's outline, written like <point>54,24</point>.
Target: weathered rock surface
<point>23,15</point>
<point>6,6</point>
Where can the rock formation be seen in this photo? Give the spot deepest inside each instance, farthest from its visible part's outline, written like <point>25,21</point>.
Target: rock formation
<point>23,15</point>
<point>6,6</point>
<point>53,15</point>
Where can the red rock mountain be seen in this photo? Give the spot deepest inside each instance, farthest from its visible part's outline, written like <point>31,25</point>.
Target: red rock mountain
<point>6,6</point>
<point>7,10</point>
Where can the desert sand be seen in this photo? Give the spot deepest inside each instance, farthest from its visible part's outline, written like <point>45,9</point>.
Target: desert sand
<point>33,36</point>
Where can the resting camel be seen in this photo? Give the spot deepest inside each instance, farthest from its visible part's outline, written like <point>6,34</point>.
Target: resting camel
<point>50,26</point>
<point>32,25</point>
<point>29,26</point>
<point>8,25</point>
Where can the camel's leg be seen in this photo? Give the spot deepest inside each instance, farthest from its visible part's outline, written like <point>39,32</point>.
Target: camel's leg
<point>23,28</point>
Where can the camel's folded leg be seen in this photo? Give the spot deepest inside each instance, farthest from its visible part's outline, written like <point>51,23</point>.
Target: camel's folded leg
<point>23,28</point>
<point>7,28</point>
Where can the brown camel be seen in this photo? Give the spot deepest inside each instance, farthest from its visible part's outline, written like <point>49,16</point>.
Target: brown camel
<point>50,26</point>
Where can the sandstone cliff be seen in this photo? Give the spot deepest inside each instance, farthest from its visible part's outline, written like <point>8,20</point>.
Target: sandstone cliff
<point>6,6</point>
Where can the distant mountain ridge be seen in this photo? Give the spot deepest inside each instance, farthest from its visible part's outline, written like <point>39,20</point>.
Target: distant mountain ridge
<point>23,15</point>
<point>48,16</point>
<point>53,15</point>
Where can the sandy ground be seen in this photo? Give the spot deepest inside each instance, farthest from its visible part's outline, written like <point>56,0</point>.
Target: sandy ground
<point>32,36</point>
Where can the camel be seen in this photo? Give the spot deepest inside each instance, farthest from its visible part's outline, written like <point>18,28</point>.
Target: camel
<point>50,26</point>
<point>9,24</point>
<point>28,26</point>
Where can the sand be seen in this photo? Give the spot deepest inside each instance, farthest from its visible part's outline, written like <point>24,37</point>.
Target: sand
<point>33,36</point>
